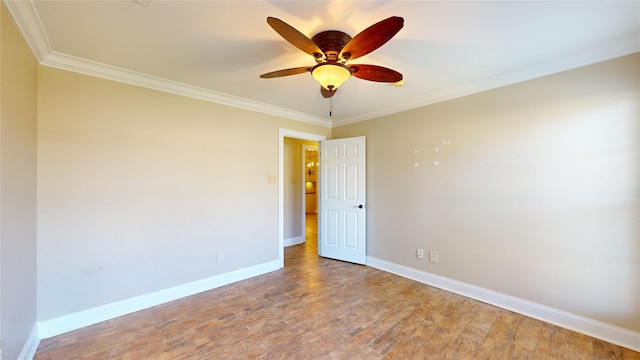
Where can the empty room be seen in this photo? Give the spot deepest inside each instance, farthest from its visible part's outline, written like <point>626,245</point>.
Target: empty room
<point>319,180</point>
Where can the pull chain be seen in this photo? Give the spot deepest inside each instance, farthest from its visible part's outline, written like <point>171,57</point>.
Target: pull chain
<point>331,106</point>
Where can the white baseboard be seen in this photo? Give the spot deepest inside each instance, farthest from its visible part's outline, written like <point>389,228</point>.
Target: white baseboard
<point>293,241</point>
<point>29,349</point>
<point>66,323</point>
<point>616,335</point>
<point>70,322</point>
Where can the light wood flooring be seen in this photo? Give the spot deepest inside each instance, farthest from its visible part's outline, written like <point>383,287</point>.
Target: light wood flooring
<point>317,308</point>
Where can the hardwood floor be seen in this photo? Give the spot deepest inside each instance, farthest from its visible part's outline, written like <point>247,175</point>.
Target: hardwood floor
<point>317,308</point>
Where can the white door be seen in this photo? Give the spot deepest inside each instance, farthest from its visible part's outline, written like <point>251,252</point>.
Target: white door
<point>342,234</point>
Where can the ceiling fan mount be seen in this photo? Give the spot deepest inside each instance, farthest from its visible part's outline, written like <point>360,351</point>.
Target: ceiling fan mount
<point>332,49</point>
<point>331,42</point>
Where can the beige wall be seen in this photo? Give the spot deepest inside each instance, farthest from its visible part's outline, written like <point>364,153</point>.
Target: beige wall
<point>18,74</point>
<point>530,190</point>
<point>139,190</point>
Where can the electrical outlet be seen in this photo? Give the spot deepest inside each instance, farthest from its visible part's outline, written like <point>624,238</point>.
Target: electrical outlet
<point>433,256</point>
<point>420,254</point>
<point>220,257</point>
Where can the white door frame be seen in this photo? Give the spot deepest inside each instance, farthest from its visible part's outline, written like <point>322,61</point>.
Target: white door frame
<point>283,133</point>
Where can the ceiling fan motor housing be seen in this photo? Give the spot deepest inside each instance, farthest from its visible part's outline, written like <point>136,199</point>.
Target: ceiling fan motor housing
<point>331,42</point>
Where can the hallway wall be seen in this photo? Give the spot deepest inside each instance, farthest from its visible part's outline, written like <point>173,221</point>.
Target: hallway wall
<point>293,188</point>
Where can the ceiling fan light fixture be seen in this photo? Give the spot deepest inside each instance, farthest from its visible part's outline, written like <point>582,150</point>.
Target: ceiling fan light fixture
<point>331,76</point>
<point>331,49</point>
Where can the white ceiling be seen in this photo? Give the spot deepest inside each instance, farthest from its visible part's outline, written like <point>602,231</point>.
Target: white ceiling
<point>216,50</point>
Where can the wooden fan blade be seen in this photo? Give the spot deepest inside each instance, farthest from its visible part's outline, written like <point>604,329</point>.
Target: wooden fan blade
<point>295,37</point>
<point>327,93</point>
<point>372,38</point>
<point>375,73</point>
<point>286,72</point>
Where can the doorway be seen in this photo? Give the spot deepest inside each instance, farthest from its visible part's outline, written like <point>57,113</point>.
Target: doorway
<point>310,167</point>
<point>292,187</point>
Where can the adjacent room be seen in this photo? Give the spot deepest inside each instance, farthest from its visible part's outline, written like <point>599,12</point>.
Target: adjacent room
<point>465,184</point>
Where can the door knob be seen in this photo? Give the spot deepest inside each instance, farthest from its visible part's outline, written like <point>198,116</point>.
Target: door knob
<point>360,206</point>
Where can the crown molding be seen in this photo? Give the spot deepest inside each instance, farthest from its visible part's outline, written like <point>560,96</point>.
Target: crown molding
<point>26,18</point>
<point>88,67</point>
<point>622,46</point>
<point>29,24</point>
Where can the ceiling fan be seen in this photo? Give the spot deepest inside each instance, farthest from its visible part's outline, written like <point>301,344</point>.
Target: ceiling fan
<point>332,49</point>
